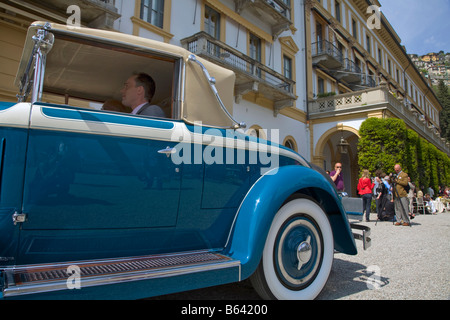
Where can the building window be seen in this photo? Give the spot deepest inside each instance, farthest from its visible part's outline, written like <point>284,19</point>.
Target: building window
<point>212,22</point>
<point>287,67</point>
<point>389,67</point>
<point>337,10</point>
<point>358,63</point>
<point>321,86</point>
<point>256,131</point>
<point>354,29</point>
<point>341,49</point>
<point>255,47</point>
<point>380,58</point>
<point>319,31</point>
<point>368,45</point>
<point>152,11</point>
<point>289,142</point>
<point>255,53</point>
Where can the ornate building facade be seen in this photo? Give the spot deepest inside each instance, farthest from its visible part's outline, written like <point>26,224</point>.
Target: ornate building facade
<point>308,72</point>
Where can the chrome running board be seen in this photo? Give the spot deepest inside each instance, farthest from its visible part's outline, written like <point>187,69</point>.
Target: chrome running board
<point>21,280</point>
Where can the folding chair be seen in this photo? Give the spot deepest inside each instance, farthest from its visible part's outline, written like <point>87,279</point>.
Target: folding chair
<point>420,206</point>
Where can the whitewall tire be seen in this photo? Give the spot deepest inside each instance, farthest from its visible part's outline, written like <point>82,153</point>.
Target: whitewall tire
<point>298,253</point>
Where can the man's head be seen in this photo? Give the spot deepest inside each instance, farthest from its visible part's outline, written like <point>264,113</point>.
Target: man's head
<point>397,168</point>
<point>138,89</point>
<point>338,166</point>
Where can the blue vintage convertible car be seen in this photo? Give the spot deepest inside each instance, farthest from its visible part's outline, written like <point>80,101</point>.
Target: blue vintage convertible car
<point>104,204</point>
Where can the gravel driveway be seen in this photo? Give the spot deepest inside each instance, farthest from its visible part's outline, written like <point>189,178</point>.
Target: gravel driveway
<point>402,263</point>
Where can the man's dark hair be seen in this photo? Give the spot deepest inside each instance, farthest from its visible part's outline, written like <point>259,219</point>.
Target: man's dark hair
<point>144,80</point>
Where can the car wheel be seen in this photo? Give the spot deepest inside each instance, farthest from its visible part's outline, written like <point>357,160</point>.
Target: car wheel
<point>298,253</point>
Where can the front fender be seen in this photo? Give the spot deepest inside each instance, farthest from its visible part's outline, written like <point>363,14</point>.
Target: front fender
<point>263,201</point>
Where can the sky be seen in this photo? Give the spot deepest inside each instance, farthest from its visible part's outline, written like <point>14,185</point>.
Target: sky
<point>422,25</point>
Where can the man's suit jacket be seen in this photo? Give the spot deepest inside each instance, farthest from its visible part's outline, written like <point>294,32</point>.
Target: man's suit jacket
<point>152,110</point>
<point>402,182</point>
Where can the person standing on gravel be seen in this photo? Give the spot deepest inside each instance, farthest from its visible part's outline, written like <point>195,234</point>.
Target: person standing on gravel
<point>401,196</point>
<point>365,186</point>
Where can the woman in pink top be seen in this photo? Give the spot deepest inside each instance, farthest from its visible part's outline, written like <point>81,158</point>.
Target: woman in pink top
<point>365,186</point>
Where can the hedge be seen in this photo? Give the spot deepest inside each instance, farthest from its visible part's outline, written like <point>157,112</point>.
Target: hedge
<point>385,142</point>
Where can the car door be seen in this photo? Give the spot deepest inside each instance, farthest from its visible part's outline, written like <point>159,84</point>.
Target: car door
<point>215,179</point>
<point>97,185</point>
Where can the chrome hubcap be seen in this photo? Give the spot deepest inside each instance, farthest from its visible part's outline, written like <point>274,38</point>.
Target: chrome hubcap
<point>298,252</point>
<point>304,252</point>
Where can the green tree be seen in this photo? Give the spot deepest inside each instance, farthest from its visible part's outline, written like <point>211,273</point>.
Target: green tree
<point>410,162</point>
<point>423,169</point>
<point>433,166</point>
<point>443,171</point>
<point>382,144</point>
<point>443,96</point>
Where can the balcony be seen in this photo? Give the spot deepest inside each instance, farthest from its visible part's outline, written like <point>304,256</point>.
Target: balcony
<point>365,81</point>
<point>99,14</point>
<point>327,55</point>
<point>350,73</point>
<point>251,75</point>
<point>275,12</point>
<point>376,99</point>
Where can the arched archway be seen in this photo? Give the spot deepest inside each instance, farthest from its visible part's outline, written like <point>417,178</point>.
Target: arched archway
<point>326,154</point>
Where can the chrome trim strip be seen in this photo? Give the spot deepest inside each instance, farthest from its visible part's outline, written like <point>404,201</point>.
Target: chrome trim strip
<point>82,263</point>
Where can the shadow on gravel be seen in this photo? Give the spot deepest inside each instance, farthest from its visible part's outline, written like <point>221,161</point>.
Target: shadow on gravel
<point>377,222</point>
<point>347,278</point>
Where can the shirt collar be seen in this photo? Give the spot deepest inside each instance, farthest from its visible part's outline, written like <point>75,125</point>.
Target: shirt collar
<point>138,108</point>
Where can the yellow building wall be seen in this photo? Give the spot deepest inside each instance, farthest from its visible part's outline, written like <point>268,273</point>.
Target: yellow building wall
<point>12,40</point>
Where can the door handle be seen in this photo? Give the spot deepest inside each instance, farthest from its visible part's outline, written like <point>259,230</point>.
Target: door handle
<point>167,151</point>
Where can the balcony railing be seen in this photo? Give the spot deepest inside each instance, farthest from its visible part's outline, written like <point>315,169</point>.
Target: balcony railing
<point>280,7</point>
<point>271,83</point>
<point>350,73</point>
<point>276,13</point>
<point>99,14</point>
<point>368,80</point>
<point>378,98</point>
<point>365,81</point>
<point>350,66</point>
<point>325,53</point>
